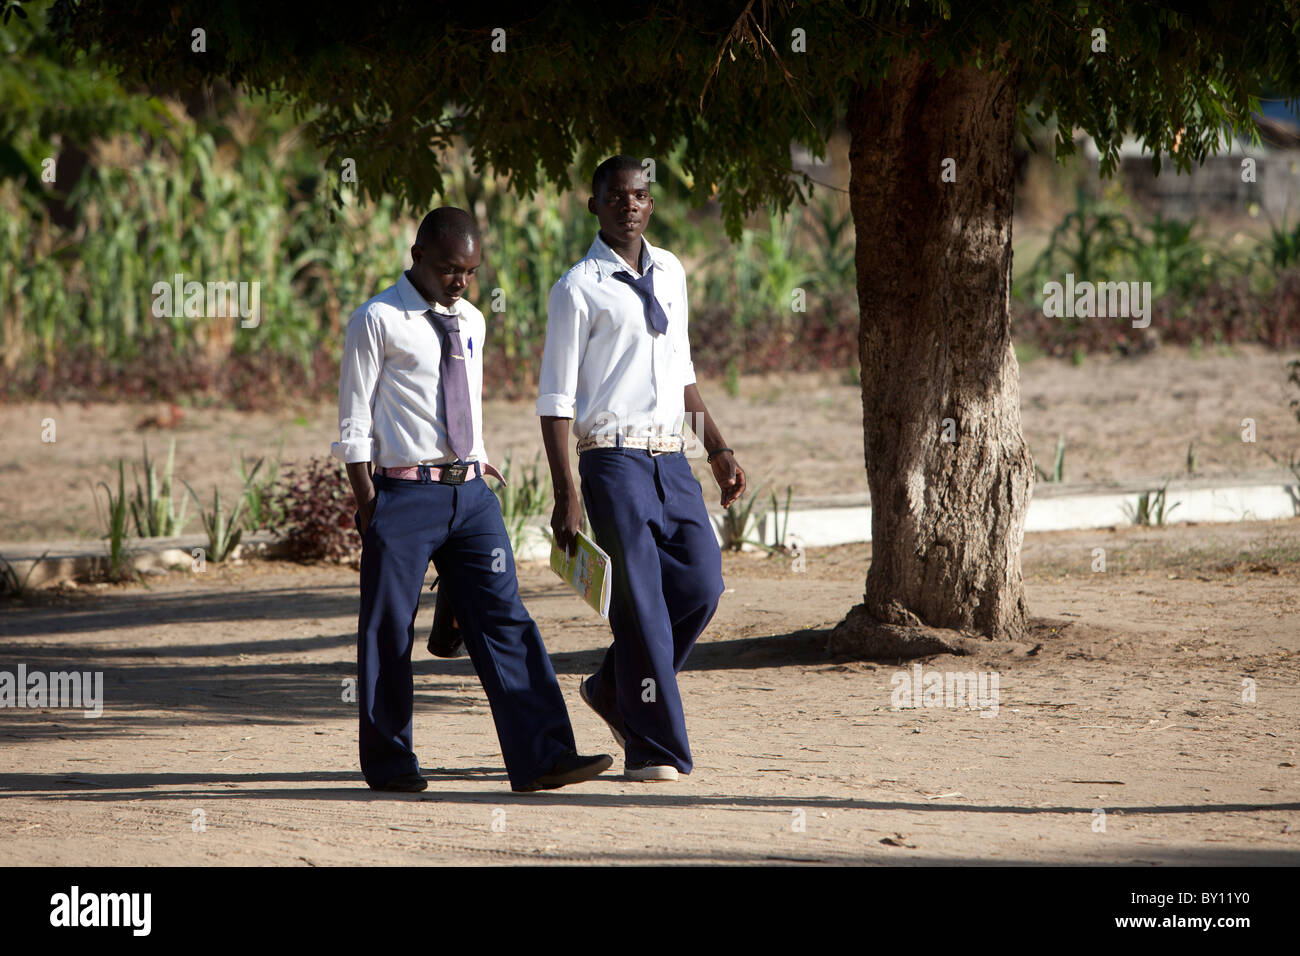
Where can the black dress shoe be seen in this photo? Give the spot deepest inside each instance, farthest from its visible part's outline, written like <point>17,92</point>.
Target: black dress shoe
<point>444,637</point>
<point>571,768</point>
<point>406,783</point>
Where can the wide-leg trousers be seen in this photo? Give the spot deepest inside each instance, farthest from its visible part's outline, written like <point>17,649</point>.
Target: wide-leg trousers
<point>647,512</point>
<point>461,529</point>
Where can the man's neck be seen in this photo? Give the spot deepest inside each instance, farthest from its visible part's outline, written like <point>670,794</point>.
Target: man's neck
<point>427,295</point>
<point>629,252</point>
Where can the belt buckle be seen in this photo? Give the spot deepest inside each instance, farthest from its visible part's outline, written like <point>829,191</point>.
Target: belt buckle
<point>453,474</point>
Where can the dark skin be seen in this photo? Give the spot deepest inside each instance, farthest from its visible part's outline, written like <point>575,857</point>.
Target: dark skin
<point>623,208</point>
<point>441,272</point>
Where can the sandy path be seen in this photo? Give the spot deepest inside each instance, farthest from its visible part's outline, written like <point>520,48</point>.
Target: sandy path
<point>223,697</point>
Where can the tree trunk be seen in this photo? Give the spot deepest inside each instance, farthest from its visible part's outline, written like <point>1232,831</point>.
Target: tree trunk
<point>949,472</point>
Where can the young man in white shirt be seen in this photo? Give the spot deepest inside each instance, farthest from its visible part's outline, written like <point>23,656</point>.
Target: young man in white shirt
<point>617,364</point>
<point>410,403</point>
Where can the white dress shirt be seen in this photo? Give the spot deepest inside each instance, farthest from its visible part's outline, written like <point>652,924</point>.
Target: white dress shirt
<point>390,409</point>
<point>603,365</point>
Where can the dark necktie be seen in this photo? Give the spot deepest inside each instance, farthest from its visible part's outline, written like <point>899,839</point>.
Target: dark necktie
<point>645,287</point>
<point>459,420</point>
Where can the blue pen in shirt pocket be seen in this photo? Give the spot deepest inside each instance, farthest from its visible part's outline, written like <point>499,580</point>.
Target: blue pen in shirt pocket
<point>471,346</point>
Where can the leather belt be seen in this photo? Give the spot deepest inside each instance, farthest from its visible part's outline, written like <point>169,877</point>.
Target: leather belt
<point>655,444</point>
<point>450,473</point>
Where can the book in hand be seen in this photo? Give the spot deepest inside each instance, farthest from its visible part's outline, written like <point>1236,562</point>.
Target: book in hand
<point>587,571</point>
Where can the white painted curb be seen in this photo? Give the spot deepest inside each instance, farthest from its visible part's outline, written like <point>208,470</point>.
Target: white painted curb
<point>812,527</point>
<point>823,527</point>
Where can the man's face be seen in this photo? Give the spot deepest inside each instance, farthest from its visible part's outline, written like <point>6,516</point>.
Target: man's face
<point>624,205</point>
<point>443,268</point>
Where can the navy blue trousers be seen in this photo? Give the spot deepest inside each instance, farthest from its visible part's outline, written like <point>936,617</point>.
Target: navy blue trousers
<point>647,512</point>
<point>460,528</point>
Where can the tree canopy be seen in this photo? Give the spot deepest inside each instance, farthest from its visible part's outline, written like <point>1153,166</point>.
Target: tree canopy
<point>736,84</point>
<point>48,94</point>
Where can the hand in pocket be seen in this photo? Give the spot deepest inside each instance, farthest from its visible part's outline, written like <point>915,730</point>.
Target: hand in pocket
<point>363,515</point>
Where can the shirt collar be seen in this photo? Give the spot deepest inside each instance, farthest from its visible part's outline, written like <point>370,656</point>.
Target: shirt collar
<point>416,304</point>
<point>609,262</point>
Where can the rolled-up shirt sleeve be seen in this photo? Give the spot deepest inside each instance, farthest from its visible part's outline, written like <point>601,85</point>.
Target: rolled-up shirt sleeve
<point>363,357</point>
<point>566,337</point>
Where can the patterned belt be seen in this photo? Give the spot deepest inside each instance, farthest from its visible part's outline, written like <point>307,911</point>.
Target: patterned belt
<point>446,474</point>
<point>655,445</point>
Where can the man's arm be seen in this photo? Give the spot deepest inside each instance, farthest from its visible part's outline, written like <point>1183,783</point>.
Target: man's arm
<point>728,474</point>
<point>557,387</point>
<point>358,379</point>
<point>566,518</point>
<point>363,490</point>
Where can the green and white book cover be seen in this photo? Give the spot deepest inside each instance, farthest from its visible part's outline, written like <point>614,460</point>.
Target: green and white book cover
<point>586,571</point>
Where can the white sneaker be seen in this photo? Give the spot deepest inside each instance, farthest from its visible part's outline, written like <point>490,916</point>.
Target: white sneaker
<point>649,771</point>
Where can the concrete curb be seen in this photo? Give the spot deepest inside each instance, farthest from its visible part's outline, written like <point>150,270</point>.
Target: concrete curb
<point>1049,510</point>
<point>79,560</point>
<point>1267,500</point>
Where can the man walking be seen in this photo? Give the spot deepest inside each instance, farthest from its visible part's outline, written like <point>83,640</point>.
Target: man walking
<point>617,364</point>
<point>410,404</point>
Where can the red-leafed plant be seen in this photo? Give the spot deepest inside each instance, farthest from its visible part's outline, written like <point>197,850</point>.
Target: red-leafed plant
<point>317,507</point>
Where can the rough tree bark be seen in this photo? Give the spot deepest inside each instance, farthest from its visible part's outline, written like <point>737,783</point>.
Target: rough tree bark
<point>934,275</point>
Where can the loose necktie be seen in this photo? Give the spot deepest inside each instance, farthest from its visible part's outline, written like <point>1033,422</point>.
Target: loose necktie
<point>459,420</point>
<point>645,287</point>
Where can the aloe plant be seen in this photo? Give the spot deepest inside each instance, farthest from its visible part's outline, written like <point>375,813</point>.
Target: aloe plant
<point>1058,465</point>
<point>1152,508</point>
<point>223,530</point>
<point>740,521</point>
<point>523,496</point>
<point>11,583</point>
<point>115,525</point>
<point>262,507</point>
<point>153,506</point>
<point>781,520</point>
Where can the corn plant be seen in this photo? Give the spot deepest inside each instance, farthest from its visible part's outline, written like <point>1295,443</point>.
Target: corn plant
<point>1282,248</point>
<point>211,219</point>
<point>153,506</point>
<point>780,266</point>
<point>830,232</point>
<point>256,214</point>
<point>1168,254</point>
<point>1090,241</point>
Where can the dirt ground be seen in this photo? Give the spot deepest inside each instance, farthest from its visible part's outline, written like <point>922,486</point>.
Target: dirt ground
<point>225,738</point>
<point>1156,724</point>
<point>1124,420</point>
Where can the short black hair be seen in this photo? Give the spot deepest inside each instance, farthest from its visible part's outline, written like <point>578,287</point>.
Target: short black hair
<point>447,222</point>
<point>606,170</point>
